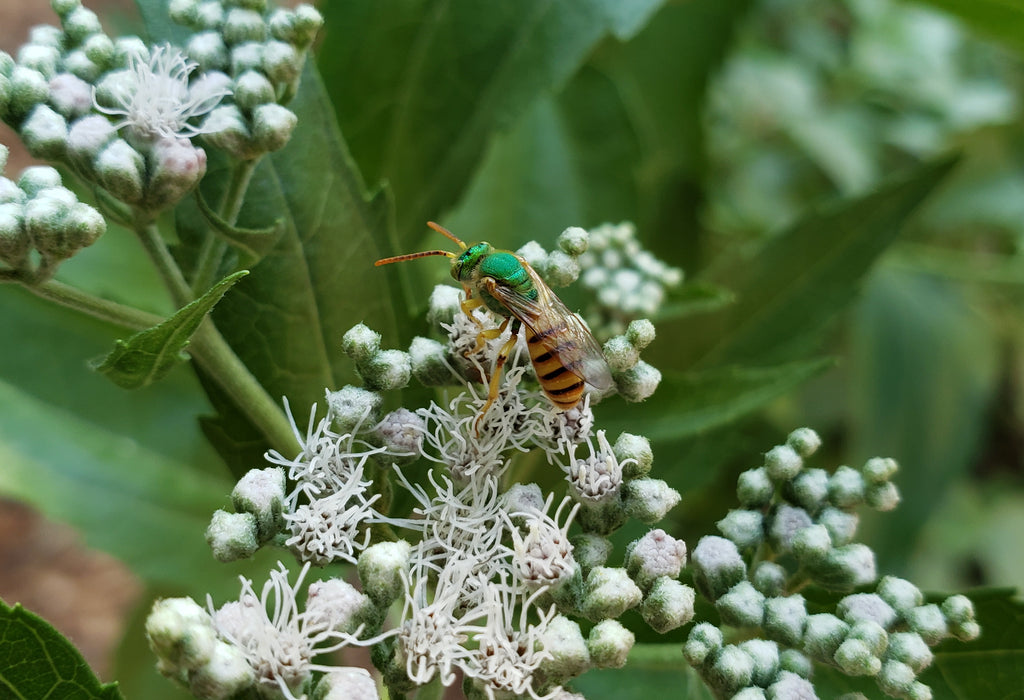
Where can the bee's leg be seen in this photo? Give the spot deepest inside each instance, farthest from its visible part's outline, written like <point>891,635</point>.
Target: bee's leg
<point>468,304</point>
<point>487,334</point>
<point>499,363</point>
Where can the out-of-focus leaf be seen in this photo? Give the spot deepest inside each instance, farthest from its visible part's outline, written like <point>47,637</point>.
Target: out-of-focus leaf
<point>923,369</point>
<point>689,404</point>
<point>149,355</point>
<point>801,278</point>
<point>999,19</point>
<point>420,86</point>
<point>146,509</point>
<point>37,661</point>
<point>252,244</point>
<point>645,675</point>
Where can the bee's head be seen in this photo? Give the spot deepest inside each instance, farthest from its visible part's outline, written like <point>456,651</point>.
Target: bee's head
<point>465,263</point>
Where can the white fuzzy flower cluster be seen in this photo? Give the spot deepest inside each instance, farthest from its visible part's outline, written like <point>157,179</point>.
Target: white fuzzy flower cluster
<point>810,516</point>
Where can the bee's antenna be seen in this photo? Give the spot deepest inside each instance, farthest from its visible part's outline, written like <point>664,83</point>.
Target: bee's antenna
<point>446,233</point>
<point>413,256</point>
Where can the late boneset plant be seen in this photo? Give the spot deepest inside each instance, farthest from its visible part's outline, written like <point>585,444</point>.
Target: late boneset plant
<point>467,568</point>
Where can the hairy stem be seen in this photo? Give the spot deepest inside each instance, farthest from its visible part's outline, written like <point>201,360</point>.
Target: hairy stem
<point>103,309</point>
<point>214,247</point>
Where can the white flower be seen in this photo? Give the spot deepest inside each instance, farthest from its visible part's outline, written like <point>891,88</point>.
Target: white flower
<point>277,639</point>
<point>597,478</point>
<point>543,556</point>
<point>154,98</point>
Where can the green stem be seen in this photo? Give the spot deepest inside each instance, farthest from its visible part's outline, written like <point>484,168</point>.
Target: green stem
<point>212,252</point>
<point>103,309</point>
<point>181,293</point>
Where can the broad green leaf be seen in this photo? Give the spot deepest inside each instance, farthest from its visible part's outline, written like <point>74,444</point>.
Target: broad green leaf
<point>420,86</point>
<point>148,510</point>
<point>689,404</point>
<point>923,370</point>
<point>252,244</point>
<point>37,661</point>
<point>999,19</point>
<point>789,288</point>
<point>651,671</point>
<point>149,355</point>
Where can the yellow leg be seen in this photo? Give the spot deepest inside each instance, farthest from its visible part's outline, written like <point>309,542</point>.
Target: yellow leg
<point>468,304</point>
<point>487,334</point>
<point>499,363</point>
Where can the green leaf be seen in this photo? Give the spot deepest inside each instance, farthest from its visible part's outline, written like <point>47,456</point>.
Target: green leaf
<point>1002,20</point>
<point>789,288</point>
<point>689,404</point>
<point>148,510</point>
<point>37,661</point>
<point>923,370</point>
<point>251,243</point>
<point>147,356</point>
<point>420,86</point>
<point>652,670</point>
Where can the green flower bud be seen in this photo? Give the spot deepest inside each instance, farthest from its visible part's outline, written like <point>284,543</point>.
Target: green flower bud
<point>741,606</point>
<point>620,354</point>
<point>28,88</point>
<point>306,24</point>
<point>402,431</point>
<point>878,470</point>
<point>653,556</point>
<point>127,47</point>
<point>208,50</point>
<point>99,48</point>
<point>751,693</point>
<point>5,96</point>
<point>78,63</point>
<point>272,126</point>
<point>6,64</point>
<point>590,550</point>
<point>121,170</point>
<point>782,463</point>
<point>45,133</point>
<point>958,608</point>
<point>609,592</point>
<point>209,15</point>
<point>336,605</point>
<point>232,536</point>
<point>704,641</point>
<point>896,679</point>
<point>812,544</point>
<point>351,407</point>
<point>648,500</point>
<point>785,619</point>
<point>380,570</point>
<point>636,448</point>
<point>805,441</point>
<point>640,333</point>
<point>253,89</point>
<point>387,370</point>
<point>795,662</point>
<point>823,633</point>
<point>183,12</point>
<point>574,241</point>
<point>281,62</point>
<point>744,527</point>
<point>730,670</point>
<point>809,489</point>
<point>561,269</point>
<point>225,676</point>
<point>769,578</point>
<point>901,594</point>
<point>609,644</point>
<point>70,95</point>
<point>262,493</point>
<point>845,567</point>
<point>784,523</point>
<point>247,56</point>
<point>443,305</point>
<point>39,57</point>
<point>668,605</point>
<point>882,497</point>
<point>87,137</point>
<point>241,25</point>
<point>429,364</point>
<point>866,606</point>
<point>346,683</point>
<point>790,685</point>
<point>80,24</point>
<point>569,655</point>
<point>910,649</point>
<point>15,240</point>
<point>181,633</point>
<point>638,383</point>
<point>176,167</point>
<point>64,7</point>
<point>841,525</point>
<point>754,488</point>
<point>766,660</point>
<point>929,622</point>
<point>38,178</point>
<point>225,128</point>
<point>717,566</point>
<point>872,634</point>
<point>46,35</point>
<point>360,343</point>
<point>846,488</point>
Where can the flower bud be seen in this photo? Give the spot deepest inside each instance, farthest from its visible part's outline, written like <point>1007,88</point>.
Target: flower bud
<point>232,536</point>
<point>87,137</point>
<point>336,605</point>
<point>866,606</point>
<point>784,523</point>
<point>346,683</point>
<point>795,662</point>
<point>804,441</point>
<point>591,550</point>
<point>878,470</point>
<point>823,634</point>
<point>636,448</point>
<point>99,49</point>
<point>648,500</point>
<point>896,679</point>
<point>39,57</point>
<point>846,488</point>
<point>929,622</point>
<point>79,64</point>
<point>80,24</point>
<point>227,674</point>
<point>569,655</point>
<point>620,354</point>
<point>253,89</point>
<point>121,169</point>
<point>241,25</point>
<point>744,527</point>
<point>5,96</point>
<point>790,685</point>
<point>183,12</point>
<point>841,525</point>
<point>15,240</point>
<point>387,370</point>
<point>64,7</point>
<point>281,62</point>
<point>225,128</point>
<point>71,95</point>
<point>854,657</point>
<point>176,168</point>
<point>127,47</point>
<point>812,544</point>
<point>351,407</point>
<point>785,619</point>
<point>741,606</point>
<point>360,343</point>
<point>769,578</point>
<point>561,269</point>
<point>782,463</point>
<point>640,333</point>
<point>717,566</point>
<point>380,570</point>
<point>754,488</point>
<point>653,556</point>
<point>901,594</point>
<point>247,56</point>
<point>429,365</point>
<point>209,15</point>
<point>609,592</point>
<point>307,22</point>
<point>272,126</point>
<point>730,670</point>
<point>809,489</point>
<point>46,35</point>
<point>704,641</point>
<point>766,660</point>
<point>882,497</point>
<point>909,648</point>
<point>668,605</point>
<point>262,493</point>
<point>845,567</point>
<point>639,382</point>
<point>28,87</point>
<point>609,644</point>
<point>401,431</point>
<point>574,241</point>
<point>181,632</point>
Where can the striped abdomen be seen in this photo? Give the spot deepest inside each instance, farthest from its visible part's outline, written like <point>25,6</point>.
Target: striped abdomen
<point>559,381</point>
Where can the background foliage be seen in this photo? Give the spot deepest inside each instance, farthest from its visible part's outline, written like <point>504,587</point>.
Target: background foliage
<point>793,156</point>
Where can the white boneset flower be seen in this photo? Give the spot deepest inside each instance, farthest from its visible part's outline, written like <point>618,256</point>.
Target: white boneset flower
<point>153,97</point>
<point>597,478</point>
<point>543,555</point>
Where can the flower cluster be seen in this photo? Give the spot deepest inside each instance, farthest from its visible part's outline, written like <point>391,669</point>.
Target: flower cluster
<point>41,223</point>
<point>797,527</point>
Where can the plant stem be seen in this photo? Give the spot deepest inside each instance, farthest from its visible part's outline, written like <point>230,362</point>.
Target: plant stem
<point>180,291</point>
<point>214,247</point>
<point>103,309</point>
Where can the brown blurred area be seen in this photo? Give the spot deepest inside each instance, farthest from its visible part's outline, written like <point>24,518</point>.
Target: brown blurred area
<point>85,594</point>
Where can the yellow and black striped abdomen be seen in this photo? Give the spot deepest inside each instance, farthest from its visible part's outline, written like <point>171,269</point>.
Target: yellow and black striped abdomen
<point>548,350</point>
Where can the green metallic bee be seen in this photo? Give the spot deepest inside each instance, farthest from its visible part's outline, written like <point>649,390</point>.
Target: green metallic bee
<point>564,353</point>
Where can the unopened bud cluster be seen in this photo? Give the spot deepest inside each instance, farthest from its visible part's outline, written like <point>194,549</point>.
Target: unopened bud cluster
<point>810,515</point>
<point>42,223</point>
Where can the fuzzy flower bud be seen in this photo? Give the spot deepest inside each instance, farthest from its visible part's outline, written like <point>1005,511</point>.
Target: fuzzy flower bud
<point>272,126</point>
<point>649,500</point>
<point>879,469</point>
<point>443,304</point>
<point>845,567</point>
<point>621,354</point>
<point>809,489</point>
<point>846,488</point>
<point>346,683</point>
<point>744,527</point>
<point>227,674</point>
<point>38,178</point>
<point>569,655</point>
<point>704,641</point>
<point>791,687</point>
<point>640,333</point>
<point>387,370</point>
<point>15,240</point>
<point>634,454</point>
<point>561,269</point>
<point>804,441</point>
<point>769,578</point>
<point>784,524</point>
<point>574,241</point>
<point>336,605</point>
<point>428,362</point>
<point>841,525</point>
<point>866,607</point>
<point>901,594</point>
<point>252,89</point>
<point>812,544</point>
<point>754,488</point>
<point>785,618</point>
<point>959,612</point>
<point>909,648</point>
<point>856,658</point>
<point>591,550</point>
<point>176,167</point>
<point>653,556</point>
<point>795,662</point>
<point>380,570</point>
<point>281,62</point>
<point>897,679</point>
<point>882,497</point>
<point>121,170</point>
<point>929,622</point>
<point>766,660</point>
<point>180,633</point>
<point>638,382</point>
<point>609,644</point>
<point>741,606</point>
<point>823,634</point>
<point>609,593</point>
<point>668,605</point>
<point>225,128</point>
<point>731,670</point>
<point>717,566</point>
<point>351,407</point>
<point>241,25</point>
<point>28,87</point>
<point>402,432</point>
<point>87,137</point>
<point>208,50</point>
<point>232,536</point>
<point>782,463</point>
<point>262,492</point>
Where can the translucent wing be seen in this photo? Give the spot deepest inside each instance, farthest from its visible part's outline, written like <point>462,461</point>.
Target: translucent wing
<point>559,330</point>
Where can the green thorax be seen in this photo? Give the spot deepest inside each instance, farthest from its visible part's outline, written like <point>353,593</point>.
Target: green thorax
<point>481,260</point>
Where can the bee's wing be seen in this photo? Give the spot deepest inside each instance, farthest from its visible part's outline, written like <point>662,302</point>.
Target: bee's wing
<point>583,355</point>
